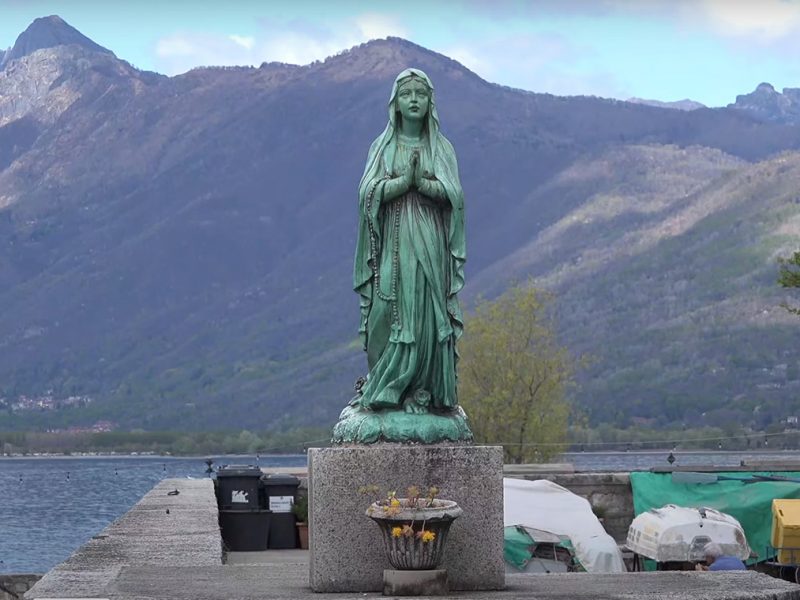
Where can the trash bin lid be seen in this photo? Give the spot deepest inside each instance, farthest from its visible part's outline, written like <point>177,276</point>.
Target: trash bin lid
<point>280,479</point>
<point>239,471</point>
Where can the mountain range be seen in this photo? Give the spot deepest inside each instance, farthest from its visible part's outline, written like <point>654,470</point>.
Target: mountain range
<point>178,250</point>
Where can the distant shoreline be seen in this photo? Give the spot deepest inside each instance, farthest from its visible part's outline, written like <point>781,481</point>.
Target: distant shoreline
<point>201,457</point>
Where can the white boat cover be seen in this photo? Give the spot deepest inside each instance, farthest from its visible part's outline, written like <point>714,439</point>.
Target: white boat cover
<point>679,533</point>
<point>546,505</point>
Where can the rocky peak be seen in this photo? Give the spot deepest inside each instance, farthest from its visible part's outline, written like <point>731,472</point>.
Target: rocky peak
<point>52,65</point>
<point>767,104</point>
<point>793,94</point>
<point>48,32</point>
<point>387,57</point>
<point>763,97</point>
<point>765,89</point>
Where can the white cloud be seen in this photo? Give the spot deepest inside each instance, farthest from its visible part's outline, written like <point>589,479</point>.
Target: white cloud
<point>762,19</point>
<point>523,53</point>
<point>539,62</point>
<point>755,20</point>
<point>244,41</point>
<point>300,48</point>
<point>470,60</point>
<point>294,42</point>
<point>180,52</point>
<point>374,26</point>
<point>174,46</point>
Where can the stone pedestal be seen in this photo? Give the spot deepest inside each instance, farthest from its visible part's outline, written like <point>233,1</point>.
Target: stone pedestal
<point>346,549</point>
<point>415,583</point>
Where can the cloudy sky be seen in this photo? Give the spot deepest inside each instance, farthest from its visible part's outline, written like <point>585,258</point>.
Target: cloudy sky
<point>706,50</point>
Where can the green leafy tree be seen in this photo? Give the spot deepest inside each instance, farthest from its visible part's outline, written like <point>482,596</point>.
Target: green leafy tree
<point>513,376</point>
<point>789,276</point>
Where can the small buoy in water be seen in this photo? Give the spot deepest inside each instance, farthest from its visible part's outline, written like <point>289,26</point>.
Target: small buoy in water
<point>67,475</point>
<point>167,511</point>
<point>115,471</point>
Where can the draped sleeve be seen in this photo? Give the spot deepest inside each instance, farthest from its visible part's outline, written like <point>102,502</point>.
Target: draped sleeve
<point>447,172</point>
<point>370,196</point>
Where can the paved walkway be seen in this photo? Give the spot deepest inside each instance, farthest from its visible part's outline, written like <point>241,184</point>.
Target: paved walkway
<point>283,566</point>
<point>283,580</point>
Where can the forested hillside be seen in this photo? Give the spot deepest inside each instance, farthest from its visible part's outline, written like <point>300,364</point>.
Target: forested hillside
<point>177,252</point>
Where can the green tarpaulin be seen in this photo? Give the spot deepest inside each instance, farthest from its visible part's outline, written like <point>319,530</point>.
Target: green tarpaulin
<point>517,546</point>
<point>519,543</point>
<point>749,503</point>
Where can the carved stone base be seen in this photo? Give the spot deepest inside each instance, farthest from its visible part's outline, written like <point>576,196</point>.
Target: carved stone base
<point>346,547</point>
<point>364,426</point>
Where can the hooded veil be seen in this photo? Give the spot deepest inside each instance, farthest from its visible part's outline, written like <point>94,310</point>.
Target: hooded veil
<point>371,244</point>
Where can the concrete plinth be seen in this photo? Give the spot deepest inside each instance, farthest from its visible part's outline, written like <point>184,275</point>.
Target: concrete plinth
<point>346,549</point>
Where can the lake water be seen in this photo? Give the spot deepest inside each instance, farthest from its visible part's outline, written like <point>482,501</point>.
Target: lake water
<point>51,506</point>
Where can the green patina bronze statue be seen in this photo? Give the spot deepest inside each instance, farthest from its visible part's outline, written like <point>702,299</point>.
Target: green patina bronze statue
<point>409,268</point>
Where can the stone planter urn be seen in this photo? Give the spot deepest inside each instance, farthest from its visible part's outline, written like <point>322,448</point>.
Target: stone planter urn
<point>414,536</point>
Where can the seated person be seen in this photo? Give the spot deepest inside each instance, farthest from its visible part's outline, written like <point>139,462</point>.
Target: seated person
<point>717,561</point>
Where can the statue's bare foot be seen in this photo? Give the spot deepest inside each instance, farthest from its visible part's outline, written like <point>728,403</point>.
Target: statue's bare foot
<point>358,387</point>
<point>417,404</point>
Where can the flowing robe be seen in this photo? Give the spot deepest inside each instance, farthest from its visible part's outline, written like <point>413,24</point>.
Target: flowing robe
<point>410,329</point>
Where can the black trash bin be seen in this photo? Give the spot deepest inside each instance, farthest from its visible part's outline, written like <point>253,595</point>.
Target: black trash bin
<point>244,523</point>
<point>280,492</point>
<point>245,530</point>
<point>237,487</point>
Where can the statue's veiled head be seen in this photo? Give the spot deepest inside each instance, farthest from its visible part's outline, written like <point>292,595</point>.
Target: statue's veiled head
<point>412,99</point>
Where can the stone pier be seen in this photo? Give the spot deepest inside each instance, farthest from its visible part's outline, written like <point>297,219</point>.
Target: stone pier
<point>169,546</point>
<point>164,530</point>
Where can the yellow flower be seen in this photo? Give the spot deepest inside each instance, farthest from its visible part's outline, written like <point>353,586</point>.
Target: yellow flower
<point>397,532</point>
<point>394,502</point>
<point>428,536</point>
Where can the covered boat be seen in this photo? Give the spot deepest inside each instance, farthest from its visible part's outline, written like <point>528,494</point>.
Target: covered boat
<point>558,522</point>
<point>678,534</point>
<point>537,551</point>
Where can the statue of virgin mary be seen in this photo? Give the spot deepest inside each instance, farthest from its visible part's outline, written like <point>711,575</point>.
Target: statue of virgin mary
<point>409,268</point>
